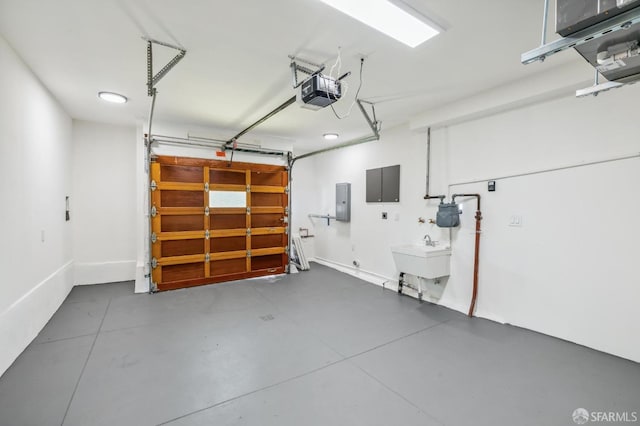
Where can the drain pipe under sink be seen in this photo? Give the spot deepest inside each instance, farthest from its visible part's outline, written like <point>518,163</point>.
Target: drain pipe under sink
<point>477,249</point>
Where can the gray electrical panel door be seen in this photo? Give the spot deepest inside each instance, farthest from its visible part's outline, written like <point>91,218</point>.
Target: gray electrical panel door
<point>383,185</point>
<point>374,185</point>
<point>391,184</point>
<point>343,202</point>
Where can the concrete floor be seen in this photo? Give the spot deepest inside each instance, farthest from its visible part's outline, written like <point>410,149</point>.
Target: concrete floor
<point>314,348</point>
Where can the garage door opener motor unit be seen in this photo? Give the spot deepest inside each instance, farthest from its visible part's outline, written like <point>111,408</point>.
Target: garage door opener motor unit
<point>319,91</point>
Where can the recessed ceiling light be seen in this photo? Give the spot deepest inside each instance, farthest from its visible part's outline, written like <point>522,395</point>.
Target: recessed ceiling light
<point>330,136</point>
<point>112,97</point>
<point>391,17</point>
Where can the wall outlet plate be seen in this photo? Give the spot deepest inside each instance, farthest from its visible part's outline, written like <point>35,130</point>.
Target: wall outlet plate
<point>515,220</point>
<point>384,215</point>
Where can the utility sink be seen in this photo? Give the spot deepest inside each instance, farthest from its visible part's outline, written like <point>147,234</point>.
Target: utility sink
<point>422,260</point>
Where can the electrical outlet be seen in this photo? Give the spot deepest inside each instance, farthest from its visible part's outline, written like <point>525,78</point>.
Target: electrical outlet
<point>384,215</point>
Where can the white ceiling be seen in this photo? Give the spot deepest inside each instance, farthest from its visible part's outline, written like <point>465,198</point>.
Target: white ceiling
<point>236,68</point>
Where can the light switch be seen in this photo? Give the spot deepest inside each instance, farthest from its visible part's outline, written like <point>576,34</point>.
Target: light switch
<point>515,220</point>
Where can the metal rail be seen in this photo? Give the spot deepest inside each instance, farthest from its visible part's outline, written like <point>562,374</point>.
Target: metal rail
<point>328,217</point>
<point>342,145</point>
<point>202,144</point>
<point>284,105</point>
<point>617,23</point>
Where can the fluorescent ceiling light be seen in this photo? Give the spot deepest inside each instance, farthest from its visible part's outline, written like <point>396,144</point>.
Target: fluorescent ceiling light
<point>330,136</point>
<point>112,97</point>
<point>391,17</point>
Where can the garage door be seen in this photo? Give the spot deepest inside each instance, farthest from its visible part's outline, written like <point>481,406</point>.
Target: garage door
<point>213,222</point>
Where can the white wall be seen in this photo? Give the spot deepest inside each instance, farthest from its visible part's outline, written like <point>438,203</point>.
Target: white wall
<point>569,271</point>
<point>35,164</point>
<point>367,238</point>
<point>104,204</point>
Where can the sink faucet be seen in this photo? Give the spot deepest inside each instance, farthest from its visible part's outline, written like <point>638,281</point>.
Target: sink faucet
<point>428,241</point>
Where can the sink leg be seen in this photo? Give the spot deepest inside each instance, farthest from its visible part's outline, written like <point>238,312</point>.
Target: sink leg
<point>420,289</point>
<point>400,282</point>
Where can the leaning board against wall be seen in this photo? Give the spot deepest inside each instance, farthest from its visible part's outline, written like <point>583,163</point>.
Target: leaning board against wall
<point>213,222</point>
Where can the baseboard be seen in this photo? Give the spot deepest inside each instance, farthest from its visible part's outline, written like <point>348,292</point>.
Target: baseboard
<point>392,284</point>
<point>104,272</point>
<point>368,276</point>
<point>21,322</point>
<point>142,280</point>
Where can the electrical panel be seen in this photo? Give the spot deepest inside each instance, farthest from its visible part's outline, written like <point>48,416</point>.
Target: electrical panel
<point>374,185</point>
<point>391,184</point>
<point>343,202</point>
<point>383,185</point>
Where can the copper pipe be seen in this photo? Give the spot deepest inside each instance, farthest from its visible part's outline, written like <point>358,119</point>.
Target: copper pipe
<point>476,264</point>
<point>476,260</point>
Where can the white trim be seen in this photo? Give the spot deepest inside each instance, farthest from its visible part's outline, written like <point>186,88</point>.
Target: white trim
<point>142,280</point>
<point>392,284</point>
<point>368,276</point>
<point>21,322</point>
<point>37,287</point>
<point>104,272</point>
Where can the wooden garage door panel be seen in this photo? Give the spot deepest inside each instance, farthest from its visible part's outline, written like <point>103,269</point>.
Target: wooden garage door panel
<point>266,262</point>
<point>266,199</point>
<point>267,179</point>
<point>266,220</point>
<point>227,177</point>
<point>229,266</point>
<point>181,247</point>
<point>228,221</point>
<point>180,174</point>
<point>266,241</point>
<point>182,223</point>
<point>195,244</point>
<point>182,198</point>
<point>183,272</point>
<point>219,245</point>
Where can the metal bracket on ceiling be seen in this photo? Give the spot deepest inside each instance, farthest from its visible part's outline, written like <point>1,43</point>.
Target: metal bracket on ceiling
<point>597,87</point>
<point>617,23</point>
<point>152,80</point>
<point>372,120</point>
<point>296,67</point>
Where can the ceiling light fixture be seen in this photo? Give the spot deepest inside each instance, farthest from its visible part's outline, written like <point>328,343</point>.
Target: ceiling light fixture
<point>394,18</point>
<point>330,136</point>
<point>112,97</point>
